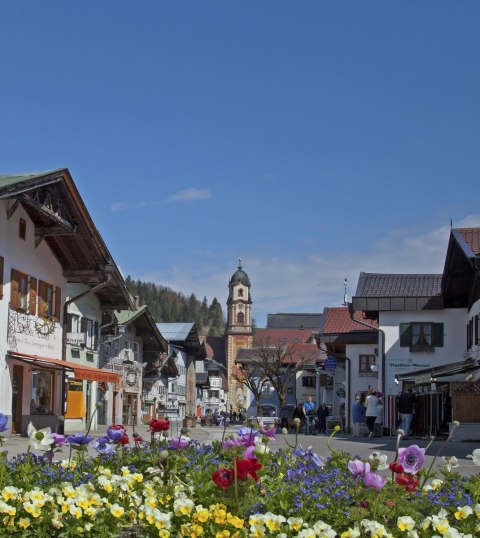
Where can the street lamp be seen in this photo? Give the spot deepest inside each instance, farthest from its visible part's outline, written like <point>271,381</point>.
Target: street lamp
<point>318,371</point>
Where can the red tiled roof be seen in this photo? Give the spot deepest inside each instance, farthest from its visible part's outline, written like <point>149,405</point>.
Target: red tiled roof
<point>472,238</point>
<point>338,321</point>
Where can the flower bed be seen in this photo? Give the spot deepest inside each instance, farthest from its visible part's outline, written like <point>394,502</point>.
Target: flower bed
<point>235,488</point>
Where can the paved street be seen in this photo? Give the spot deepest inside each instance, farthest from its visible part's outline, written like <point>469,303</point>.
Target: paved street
<point>361,447</point>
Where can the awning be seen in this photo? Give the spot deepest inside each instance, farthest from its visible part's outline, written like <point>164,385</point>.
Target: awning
<point>445,370</point>
<point>80,371</point>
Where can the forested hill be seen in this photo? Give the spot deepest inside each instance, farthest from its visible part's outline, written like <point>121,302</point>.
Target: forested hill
<point>168,306</point>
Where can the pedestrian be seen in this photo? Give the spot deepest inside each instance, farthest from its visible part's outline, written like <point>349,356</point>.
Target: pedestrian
<point>284,417</point>
<point>405,406</point>
<point>378,427</point>
<point>322,413</point>
<point>371,411</point>
<point>358,415</point>
<point>309,412</point>
<point>298,413</point>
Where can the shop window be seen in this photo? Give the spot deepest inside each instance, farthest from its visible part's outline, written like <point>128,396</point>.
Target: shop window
<point>41,402</point>
<point>365,363</point>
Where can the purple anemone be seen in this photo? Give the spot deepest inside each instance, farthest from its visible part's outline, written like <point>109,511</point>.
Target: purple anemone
<point>374,480</point>
<point>412,458</point>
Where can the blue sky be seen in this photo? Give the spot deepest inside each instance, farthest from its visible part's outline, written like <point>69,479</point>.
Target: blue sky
<point>312,139</point>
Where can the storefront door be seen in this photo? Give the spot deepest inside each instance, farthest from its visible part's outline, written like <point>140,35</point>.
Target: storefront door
<point>17,393</point>
<point>129,409</point>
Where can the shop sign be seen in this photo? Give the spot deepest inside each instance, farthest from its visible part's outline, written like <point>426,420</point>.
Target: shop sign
<point>76,339</point>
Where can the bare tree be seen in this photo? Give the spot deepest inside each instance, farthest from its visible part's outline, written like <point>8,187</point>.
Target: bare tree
<point>252,377</point>
<point>276,362</point>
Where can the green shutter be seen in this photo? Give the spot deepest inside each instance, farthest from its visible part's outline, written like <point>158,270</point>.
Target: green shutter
<point>405,334</point>
<point>437,339</point>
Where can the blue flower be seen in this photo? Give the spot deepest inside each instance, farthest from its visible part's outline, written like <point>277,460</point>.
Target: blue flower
<point>79,439</point>
<point>103,445</point>
<point>3,422</point>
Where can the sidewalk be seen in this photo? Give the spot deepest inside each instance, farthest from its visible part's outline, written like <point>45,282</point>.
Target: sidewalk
<point>361,447</point>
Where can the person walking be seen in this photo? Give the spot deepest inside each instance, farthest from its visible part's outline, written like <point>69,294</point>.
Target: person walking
<point>322,413</point>
<point>309,412</point>
<point>284,417</point>
<point>358,415</point>
<point>378,427</point>
<point>298,413</point>
<point>405,405</point>
<point>371,411</point>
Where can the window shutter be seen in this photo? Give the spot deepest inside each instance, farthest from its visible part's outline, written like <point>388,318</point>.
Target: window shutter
<point>42,296</point>
<point>84,325</point>
<point>437,335</point>
<point>405,334</point>
<point>58,303</point>
<point>477,318</point>
<point>95,335</point>
<point>1,277</point>
<point>32,300</point>
<point>14,289</point>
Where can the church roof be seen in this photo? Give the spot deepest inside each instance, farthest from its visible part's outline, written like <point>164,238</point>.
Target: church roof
<point>294,321</point>
<point>240,277</point>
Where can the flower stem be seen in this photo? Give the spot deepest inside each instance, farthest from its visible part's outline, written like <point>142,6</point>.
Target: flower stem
<point>428,473</point>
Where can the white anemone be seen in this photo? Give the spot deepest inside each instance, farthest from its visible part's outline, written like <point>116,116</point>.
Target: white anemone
<point>40,439</point>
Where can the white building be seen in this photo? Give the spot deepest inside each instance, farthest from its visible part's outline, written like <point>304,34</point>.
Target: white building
<point>47,241</point>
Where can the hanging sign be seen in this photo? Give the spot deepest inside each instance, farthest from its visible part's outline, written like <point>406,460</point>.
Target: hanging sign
<point>330,364</point>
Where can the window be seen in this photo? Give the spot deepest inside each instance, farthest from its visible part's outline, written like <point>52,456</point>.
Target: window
<point>19,290</point>
<point>22,229</point>
<point>50,300</point>
<point>421,336</point>
<point>309,381</point>
<point>477,327</point>
<point>240,292</point>
<point>73,323</point>
<point>136,351</point>
<point>90,328</point>
<point>365,363</point>
<point>241,318</point>
<point>41,398</point>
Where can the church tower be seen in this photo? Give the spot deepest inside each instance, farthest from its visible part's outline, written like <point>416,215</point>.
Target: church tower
<point>239,332</point>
